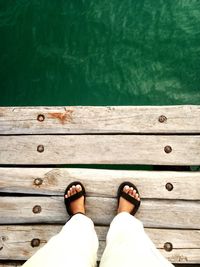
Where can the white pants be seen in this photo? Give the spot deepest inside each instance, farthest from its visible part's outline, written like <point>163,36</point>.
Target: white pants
<point>76,246</point>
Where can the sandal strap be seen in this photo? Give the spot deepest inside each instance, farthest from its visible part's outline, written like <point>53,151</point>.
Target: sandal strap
<point>132,200</point>
<point>75,196</point>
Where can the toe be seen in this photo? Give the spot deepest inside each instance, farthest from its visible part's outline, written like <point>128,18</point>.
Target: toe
<point>130,192</point>
<point>68,193</point>
<point>126,189</point>
<point>71,191</point>
<point>78,188</point>
<point>134,192</point>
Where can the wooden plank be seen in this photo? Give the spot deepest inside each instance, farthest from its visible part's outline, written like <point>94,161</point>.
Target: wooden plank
<point>17,241</point>
<point>100,183</point>
<point>179,255</point>
<point>153,213</point>
<point>100,149</point>
<point>182,255</point>
<point>90,119</point>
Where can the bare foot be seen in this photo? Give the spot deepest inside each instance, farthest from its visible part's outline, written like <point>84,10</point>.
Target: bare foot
<point>77,205</point>
<point>125,205</point>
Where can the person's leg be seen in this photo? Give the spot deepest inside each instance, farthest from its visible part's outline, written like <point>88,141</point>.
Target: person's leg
<point>127,243</point>
<point>76,245</point>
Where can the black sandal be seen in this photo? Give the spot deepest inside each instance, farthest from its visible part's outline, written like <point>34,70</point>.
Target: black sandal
<point>70,199</point>
<point>129,198</point>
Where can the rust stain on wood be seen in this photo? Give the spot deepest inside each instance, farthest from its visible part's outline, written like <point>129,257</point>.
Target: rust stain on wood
<point>62,116</point>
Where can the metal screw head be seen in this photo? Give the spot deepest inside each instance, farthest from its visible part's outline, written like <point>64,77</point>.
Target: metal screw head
<point>169,186</point>
<point>40,148</point>
<point>168,149</point>
<point>35,242</point>
<point>168,246</point>
<point>162,119</point>
<point>37,209</point>
<point>38,181</point>
<point>40,117</point>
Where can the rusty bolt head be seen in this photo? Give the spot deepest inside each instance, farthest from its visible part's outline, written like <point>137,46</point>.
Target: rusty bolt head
<point>162,119</point>
<point>168,246</point>
<point>40,148</point>
<point>37,209</point>
<point>38,181</point>
<point>40,117</point>
<point>35,242</point>
<point>168,149</point>
<point>169,186</point>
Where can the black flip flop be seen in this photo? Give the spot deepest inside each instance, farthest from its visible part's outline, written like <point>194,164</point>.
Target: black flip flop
<point>129,198</point>
<point>74,197</point>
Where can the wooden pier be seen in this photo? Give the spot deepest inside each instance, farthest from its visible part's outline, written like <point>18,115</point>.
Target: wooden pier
<point>40,145</point>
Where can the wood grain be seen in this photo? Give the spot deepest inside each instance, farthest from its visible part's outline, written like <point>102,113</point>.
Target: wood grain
<point>100,182</point>
<point>153,213</point>
<point>91,119</point>
<point>100,149</point>
<point>17,241</point>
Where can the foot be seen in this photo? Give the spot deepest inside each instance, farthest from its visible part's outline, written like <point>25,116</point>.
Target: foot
<point>76,206</point>
<point>125,205</point>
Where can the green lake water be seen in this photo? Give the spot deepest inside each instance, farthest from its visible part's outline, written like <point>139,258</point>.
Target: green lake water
<point>97,52</point>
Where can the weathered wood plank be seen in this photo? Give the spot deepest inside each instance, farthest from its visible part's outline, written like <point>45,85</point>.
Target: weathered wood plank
<point>16,244</point>
<point>182,255</point>
<point>153,213</point>
<point>179,256</point>
<point>90,119</point>
<point>100,183</point>
<point>100,149</point>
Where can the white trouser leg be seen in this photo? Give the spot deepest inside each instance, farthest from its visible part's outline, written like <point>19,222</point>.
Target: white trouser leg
<point>76,245</point>
<point>129,246</point>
